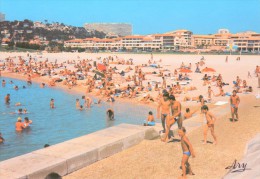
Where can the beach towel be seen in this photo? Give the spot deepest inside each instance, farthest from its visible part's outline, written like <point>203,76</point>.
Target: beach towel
<point>220,103</point>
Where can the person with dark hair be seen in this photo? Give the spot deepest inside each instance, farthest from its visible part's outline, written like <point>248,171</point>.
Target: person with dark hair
<point>187,152</point>
<point>209,123</point>
<point>53,176</point>
<point>234,102</point>
<point>188,114</point>
<point>163,109</point>
<point>110,114</point>
<point>7,99</point>
<point>46,145</point>
<point>174,117</point>
<point>52,104</point>
<point>150,120</point>
<point>1,138</point>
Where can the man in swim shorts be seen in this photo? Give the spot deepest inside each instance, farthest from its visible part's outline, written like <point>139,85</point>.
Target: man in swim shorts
<point>234,102</point>
<point>163,109</point>
<point>175,117</point>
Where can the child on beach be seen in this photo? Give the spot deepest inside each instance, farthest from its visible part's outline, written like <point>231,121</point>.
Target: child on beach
<point>150,120</point>
<point>209,123</point>
<point>188,151</point>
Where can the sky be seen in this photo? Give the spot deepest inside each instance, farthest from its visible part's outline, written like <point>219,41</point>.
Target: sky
<point>146,16</point>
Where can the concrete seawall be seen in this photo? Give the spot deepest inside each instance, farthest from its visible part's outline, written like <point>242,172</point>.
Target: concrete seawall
<point>72,155</point>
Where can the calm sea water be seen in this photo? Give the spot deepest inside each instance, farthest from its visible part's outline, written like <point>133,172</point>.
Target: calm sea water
<point>51,126</point>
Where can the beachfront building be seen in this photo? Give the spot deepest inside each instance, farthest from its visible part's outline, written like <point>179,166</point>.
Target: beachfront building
<point>224,40</point>
<point>182,38</point>
<point>120,29</point>
<point>2,17</point>
<point>173,41</point>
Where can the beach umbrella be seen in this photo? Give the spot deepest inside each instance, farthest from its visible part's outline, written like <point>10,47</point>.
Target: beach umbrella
<point>184,70</point>
<point>207,70</point>
<point>101,67</point>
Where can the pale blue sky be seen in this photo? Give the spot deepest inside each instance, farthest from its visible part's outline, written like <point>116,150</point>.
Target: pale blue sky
<point>147,16</point>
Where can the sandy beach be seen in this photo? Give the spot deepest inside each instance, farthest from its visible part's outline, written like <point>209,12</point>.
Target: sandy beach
<point>155,159</point>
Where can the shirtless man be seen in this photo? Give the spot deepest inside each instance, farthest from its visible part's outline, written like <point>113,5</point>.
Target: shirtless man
<point>188,151</point>
<point>163,109</point>
<point>175,117</point>
<point>77,104</point>
<point>19,126</point>
<point>234,102</point>
<point>7,99</point>
<point>209,123</point>
<point>52,104</point>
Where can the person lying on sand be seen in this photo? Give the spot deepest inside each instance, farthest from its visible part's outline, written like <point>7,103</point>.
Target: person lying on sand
<point>188,114</point>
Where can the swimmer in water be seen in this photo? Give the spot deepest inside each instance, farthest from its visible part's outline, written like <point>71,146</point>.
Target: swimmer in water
<point>25,111</point>
<point>27,122</point>
<point>16,87</point>
<point>77,104</point>
<point>42,85</point>
<point>110,114</point>
<point>7,99</point>
<point>19,126</point>
<point>81,108</point>
<point>52,104</point>
<point>18,104</point>
<point>1,138</point>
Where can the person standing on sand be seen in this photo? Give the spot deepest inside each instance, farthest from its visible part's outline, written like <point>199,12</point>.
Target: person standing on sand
<point>188,151</point>
<point>165,106</point>
<point>209,123</point>
<point>234,102</point>
<point>176,117</point>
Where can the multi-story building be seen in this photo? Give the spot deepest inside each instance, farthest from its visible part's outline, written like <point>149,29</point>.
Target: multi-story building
<point>183,38</point>
<point>223,40</point>
<point>120,29</point>
<point>2,17</point>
